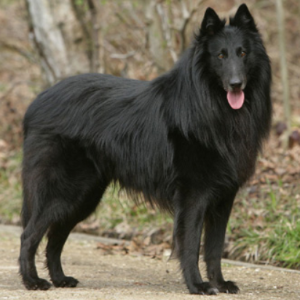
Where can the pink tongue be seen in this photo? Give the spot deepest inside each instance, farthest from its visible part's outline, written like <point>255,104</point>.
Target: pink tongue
<point>236,99</point>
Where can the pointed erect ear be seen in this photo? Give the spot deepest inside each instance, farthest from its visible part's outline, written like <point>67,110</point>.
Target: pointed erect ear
<point>211,23</point>
<point>243,19</point>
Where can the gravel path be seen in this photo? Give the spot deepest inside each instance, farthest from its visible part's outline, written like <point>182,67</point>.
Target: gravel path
<point>127,277</point>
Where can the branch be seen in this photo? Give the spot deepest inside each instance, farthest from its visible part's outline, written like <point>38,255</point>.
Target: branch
<point>14,48</point>
<point>80,17</point>
<point>123,56</point>
<point>187,16</point>
<point>166,31</point>
<point>11,89</point>
<point>95,64</point>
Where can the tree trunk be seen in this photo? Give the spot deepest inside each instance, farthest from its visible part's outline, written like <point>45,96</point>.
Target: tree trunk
<point>283,63</point>
<point>156,40</point>
<point>59,38</point>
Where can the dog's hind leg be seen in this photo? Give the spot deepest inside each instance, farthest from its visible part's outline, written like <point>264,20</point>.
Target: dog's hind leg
<point>59,233</point>
<point>216,220</point>
<point>30,239</point>
<point>61,187</point>
<point>57,237</point>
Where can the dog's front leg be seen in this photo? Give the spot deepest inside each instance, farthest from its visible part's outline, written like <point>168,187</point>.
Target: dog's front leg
<point>190,210</point>
<point>216,220</point>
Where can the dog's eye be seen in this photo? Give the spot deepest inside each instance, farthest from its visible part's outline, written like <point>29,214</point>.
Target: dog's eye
<point>243,53</point>
<point>221,56</point>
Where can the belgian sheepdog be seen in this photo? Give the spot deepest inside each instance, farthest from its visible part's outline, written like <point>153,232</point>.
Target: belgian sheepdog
<point>186,141</point>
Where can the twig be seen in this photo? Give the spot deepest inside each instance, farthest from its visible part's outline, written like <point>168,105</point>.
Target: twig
<point>86,32</point>
<point>140,24</point>
<point>19,50</point>
<point>11,89</point>
<point>101,51</point>
<point>95,35</point>
<point>123,56</point>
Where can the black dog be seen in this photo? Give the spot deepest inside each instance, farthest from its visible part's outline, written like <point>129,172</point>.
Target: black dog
<point>186,141</point>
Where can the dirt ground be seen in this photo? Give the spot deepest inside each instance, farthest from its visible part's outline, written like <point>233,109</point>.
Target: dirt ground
<point>128,277</point>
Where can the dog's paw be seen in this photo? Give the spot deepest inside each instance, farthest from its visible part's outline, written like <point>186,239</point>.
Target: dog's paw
<point>204,288</point>
<point>65,282</point>
<point>228,287</point>
<point>37,284</point>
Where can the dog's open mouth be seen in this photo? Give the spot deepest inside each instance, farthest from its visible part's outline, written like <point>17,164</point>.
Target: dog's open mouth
<point>236,99</point>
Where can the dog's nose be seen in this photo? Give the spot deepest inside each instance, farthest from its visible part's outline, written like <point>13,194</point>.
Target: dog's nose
<point>235,84</point>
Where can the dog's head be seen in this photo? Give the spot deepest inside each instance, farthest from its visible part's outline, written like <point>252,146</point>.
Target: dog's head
<point>229,51</point>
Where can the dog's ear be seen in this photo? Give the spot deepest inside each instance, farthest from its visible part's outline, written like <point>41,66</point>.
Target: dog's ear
<point>211,23</point>
<point>243,19</point>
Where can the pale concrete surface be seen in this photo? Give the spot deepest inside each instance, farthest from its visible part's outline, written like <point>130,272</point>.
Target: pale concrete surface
<point>132,278</point>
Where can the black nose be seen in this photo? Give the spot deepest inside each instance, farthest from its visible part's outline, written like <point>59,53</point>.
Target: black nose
<point>235,84</point>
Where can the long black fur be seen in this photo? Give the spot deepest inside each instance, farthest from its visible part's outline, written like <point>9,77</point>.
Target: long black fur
<point>175,140</point>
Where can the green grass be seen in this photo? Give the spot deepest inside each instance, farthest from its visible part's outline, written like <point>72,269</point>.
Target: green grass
<point>284,243</point>
<point>116,207</point>
<point>10,188</point>
<point>266,229</point>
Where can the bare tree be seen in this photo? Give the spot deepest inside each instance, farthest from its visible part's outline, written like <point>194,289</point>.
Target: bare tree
<point>156,39</point>
<point>162,31</point>
<point>59,38</point>
<point>69,39</point>
<point>283,63</point>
